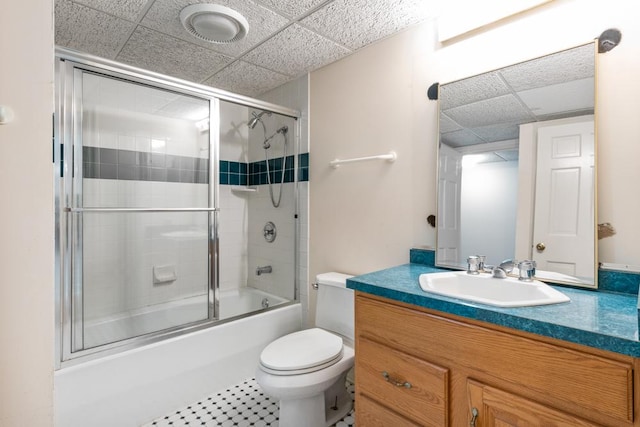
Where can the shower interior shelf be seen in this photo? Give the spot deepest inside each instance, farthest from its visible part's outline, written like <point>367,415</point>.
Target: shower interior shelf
<point>242,189</point>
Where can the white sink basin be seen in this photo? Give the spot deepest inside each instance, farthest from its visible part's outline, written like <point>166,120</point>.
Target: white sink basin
<point>483,288</point>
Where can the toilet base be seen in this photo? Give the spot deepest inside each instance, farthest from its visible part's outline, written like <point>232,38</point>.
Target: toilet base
<point>321,410</point>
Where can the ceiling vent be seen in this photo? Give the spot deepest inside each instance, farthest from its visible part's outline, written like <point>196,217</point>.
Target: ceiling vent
<point>214,23</point>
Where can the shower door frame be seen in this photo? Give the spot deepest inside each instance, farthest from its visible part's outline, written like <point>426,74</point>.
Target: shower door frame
<point>68,63</point>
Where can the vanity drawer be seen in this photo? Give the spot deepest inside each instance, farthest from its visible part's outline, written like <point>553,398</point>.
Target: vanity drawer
<point>564,378</point>
<point>371,414</point>
<point>413,387</point>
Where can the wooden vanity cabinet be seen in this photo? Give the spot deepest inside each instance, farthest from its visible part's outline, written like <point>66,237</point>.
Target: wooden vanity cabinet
<point>420,367</point>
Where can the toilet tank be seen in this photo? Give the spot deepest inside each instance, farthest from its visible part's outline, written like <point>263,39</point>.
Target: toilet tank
<point>334,308</point>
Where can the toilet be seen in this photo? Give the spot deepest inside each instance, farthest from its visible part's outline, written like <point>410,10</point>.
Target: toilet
<point>306,370</point>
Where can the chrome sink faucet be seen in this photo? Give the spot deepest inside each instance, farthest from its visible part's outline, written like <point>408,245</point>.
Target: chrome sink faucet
<point>504,269</point>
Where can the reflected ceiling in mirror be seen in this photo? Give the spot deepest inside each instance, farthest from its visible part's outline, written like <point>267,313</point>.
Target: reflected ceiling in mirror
<point>483,120</point>
<point>490,107</point>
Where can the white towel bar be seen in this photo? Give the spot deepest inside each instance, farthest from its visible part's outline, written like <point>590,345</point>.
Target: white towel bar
<point>391,157</point>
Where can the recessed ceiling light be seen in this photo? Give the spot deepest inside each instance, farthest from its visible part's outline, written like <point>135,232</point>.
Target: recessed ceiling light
<point>214,23</point>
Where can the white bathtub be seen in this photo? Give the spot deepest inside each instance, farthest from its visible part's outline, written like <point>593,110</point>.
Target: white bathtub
<point>245,300</point>
<point>175,313</point>
<point>136,386</point>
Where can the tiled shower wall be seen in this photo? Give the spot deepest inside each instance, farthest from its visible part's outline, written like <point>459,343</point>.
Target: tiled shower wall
<point>294,94</point>
<point>141,160</point>
<point>234,206</point>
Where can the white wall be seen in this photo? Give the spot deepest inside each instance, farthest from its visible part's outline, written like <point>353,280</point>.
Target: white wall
<point>489,196</point>
<point>26,218</point>
<point>367,216</point>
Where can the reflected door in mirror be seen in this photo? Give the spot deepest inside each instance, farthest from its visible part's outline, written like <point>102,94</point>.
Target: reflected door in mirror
<point>563,221</point>
<point>449,183</point>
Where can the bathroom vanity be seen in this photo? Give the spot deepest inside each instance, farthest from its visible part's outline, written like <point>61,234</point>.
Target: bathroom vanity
<point>436,361</point>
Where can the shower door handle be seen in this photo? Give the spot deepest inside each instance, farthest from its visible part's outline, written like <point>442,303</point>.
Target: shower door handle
<point>68,209</point>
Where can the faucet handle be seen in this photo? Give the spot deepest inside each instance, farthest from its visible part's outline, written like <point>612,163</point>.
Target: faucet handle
<point>481,262</point>
<point>527,270</point>
<point>472,264</point>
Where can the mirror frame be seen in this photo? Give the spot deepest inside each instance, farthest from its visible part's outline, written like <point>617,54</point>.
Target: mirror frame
<point>460,266</point>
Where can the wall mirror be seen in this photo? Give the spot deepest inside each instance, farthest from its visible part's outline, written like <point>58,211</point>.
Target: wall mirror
<point>516,167</point>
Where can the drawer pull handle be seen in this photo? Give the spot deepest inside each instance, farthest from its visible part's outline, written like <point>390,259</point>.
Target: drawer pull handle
<point>474,416</point>
<point>396,382</point>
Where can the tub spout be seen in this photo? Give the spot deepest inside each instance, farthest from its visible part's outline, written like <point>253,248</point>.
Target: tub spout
<point>263,270</point>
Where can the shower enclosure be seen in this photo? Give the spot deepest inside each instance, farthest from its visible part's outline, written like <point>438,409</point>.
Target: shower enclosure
<point>162,203</point>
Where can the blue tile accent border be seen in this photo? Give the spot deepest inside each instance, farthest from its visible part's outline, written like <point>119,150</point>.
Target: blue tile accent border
<point>258,175</point>
<point>109,163</point>
<point>303,167</point>
<point>233,173</point>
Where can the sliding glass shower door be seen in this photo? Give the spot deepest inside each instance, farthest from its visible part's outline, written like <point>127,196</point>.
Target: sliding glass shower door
<point>139,208</point>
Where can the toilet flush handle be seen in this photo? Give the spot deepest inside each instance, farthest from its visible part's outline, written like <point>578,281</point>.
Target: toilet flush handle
<point>315,286</point>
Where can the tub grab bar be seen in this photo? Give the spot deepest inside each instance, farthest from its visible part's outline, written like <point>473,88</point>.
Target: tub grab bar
<point>391,157</point>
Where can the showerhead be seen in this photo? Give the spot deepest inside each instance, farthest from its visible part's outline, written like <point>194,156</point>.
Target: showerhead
<point>256,118</point>
<point>283,130</point>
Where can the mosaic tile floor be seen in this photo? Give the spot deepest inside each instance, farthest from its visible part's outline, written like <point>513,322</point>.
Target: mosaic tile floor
<point>241,405</point>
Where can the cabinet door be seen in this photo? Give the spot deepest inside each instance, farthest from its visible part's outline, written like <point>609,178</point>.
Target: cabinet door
<point>497,408</point>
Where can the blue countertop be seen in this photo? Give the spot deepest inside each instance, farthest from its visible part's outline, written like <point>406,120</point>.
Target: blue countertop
<point>599,319</point>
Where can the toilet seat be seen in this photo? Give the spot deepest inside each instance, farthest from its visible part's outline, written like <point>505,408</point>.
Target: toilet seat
<point>301,352</point>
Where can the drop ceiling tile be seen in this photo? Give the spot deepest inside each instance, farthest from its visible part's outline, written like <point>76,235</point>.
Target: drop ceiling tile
<point>573,64</point>
<point>294,51</point>
<point>501,132</point>
<point>447,125</point>
<point>185,107</point>
<point>164,16</point>
<point>503,109</point>
<point>292,8</point>
<point>472,89</point>
<point>164,54</point>
<point>460,138</point>
<point>126,9</point>
<point>559,99</point>
<point>87,30</point>
<point>356,23</point>
<point>246,79</point>
<point>509,155</point>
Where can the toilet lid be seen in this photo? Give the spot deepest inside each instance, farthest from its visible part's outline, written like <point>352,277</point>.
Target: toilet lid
<point>302,350</point>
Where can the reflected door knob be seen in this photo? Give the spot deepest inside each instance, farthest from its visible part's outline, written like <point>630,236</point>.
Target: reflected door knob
<point>541,246</point>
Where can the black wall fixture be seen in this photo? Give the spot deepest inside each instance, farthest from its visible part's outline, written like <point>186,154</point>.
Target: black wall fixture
<point>609,39</point>
<point>432,92</point>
